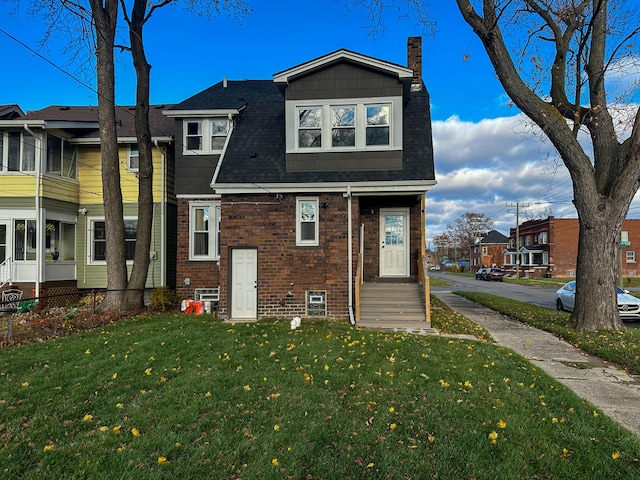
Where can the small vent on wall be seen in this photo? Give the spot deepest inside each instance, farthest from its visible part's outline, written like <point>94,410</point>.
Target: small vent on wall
<point>316,303</point>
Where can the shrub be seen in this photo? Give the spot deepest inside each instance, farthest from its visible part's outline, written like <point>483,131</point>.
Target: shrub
<point>163,299</point>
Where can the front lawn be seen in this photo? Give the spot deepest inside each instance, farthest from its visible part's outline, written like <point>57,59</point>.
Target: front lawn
<point>187,397</point>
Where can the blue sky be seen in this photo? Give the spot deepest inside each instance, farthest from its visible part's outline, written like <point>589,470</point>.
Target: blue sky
<point>486,157</point>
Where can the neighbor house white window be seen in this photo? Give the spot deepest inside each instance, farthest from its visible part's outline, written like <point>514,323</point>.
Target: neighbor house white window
<point>97,247</point>
<point>24,240</point>
<point>205,135</point>
<point>133,158</point>
<point>624,236</point>
<point>347,124</point>
<point>631,256</point>
<point>307,221</point>
<point>204,231</point>
<point>61,157</point>
<point>17,152</point>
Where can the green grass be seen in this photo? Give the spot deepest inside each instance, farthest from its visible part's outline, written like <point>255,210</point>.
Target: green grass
<point>621,347</point>
<point>259,400</point>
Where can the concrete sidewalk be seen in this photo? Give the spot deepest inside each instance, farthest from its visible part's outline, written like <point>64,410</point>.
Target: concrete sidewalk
<point>608,388</point>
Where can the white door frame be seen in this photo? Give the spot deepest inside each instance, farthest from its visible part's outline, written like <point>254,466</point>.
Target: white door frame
<point>243,284</point>
<point>398,272</point>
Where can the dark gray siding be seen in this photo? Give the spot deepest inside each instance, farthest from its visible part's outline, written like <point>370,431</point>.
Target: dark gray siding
<point>343,80</point>
<point>344,161</point>
<point>193,172</point>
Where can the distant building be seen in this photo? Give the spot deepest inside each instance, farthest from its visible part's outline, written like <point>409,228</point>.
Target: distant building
<point>487,250</point>
<point>550,247</point>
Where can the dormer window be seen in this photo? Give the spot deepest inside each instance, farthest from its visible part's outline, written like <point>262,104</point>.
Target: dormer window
<point>378,125</point>
<point>310,127</point>
<point>344,126</point>
<point>205,135</point>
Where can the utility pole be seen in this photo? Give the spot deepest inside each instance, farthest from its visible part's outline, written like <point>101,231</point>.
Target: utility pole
<point>517,206</point>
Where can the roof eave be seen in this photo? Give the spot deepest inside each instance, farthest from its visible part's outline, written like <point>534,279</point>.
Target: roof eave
<point>284,76</point>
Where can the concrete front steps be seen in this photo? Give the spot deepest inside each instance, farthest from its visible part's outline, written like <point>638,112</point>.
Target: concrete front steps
<point>393,306</point>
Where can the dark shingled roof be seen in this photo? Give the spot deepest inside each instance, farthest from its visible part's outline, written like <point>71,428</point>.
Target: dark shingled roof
<point>256,150</point>
<point>161,126</point>
<point>494,237</point>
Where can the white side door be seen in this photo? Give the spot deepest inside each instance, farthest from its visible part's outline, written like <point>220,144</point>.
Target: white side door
<point>244,283</point>
<point>394,242</point>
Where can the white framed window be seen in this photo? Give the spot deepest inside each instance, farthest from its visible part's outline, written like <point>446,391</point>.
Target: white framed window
<point>204,231</point>
<point>61,157</point>
<point>307,221</point>
<point>631,256</point>
<point>133,158</point>
<point>97,240</point>
<point>205,135</point>
<point>24,240</point>
<point>624,236</point>
<point>377,125</point>
<point>309,127</point>
<point>343,125</point>
<point>17,152</point>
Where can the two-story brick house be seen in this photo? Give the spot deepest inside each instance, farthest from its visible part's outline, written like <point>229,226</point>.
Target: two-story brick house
<point>283,183</point>
<point>488,250</point>
<point>549,246</point>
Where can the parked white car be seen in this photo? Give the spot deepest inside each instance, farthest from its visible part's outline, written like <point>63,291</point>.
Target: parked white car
<point>628,305</point>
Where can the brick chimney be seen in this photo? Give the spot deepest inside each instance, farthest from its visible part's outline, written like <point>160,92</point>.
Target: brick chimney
<point>414,59</point>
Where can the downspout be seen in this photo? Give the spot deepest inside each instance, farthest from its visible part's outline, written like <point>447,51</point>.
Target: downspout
<point>163,215</point>
<point>350,255</point>
<point>39,224</point>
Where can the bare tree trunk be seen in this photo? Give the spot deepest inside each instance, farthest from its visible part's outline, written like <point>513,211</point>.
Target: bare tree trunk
<point>105,16</point>
<point>135,290</point>
<point>598,250</point>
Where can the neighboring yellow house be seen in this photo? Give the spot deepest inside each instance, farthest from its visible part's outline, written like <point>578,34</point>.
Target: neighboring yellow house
<point>51,203</point>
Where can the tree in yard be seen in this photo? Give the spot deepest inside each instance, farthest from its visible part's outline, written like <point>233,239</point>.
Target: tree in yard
<point>97,24</point>
<point>574,47</point>
<point>467,227</point>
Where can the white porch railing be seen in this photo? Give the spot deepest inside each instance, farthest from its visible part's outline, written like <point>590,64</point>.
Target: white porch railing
<point>5,272</point>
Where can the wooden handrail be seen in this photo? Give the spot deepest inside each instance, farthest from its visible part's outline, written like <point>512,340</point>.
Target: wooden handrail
<point>359,280</point>
<point>423,272</point>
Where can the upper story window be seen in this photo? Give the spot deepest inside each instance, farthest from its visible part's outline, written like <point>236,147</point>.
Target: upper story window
<point>377,125</point>
<point>205,135</point>
<point>133,158</point>
<point>61,157</point>
<point>624,236</point>
<point>17,152</point>
<point>343,125</point>
<point>630,256</point>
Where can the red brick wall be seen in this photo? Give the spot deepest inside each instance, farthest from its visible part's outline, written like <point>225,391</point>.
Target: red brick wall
<point>199,274</point>
<point>563,246</point>
<point>261,222</point>
<point>370,217</point>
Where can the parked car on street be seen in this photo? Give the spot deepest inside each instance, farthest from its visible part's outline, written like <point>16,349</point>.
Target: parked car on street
<point>628,305</point>
<point>480,273</point>
<point>496,274</point>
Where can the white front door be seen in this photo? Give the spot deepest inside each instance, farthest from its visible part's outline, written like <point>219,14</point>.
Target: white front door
<point>244,283</point>
<point>394,242</point>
